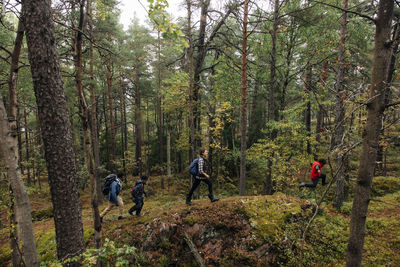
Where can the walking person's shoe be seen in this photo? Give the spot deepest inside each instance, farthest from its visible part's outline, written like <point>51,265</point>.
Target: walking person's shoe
<point>212,198</point>
<point>130,212</point>
<point>302,185</point>
<point>188,201</point>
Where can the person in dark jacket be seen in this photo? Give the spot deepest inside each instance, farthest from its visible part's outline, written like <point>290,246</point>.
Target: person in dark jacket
<point>203,175</point>
<point>114,198</point>
<point>316,174</point>
<point>137,196</point>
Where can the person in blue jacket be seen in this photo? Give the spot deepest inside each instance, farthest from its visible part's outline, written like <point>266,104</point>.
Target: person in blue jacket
<point>137,195</point>
<point>114,198</point>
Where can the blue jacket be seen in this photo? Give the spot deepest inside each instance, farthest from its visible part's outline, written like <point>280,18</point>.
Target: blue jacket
<point>115,189</point>
<point>138,190</point>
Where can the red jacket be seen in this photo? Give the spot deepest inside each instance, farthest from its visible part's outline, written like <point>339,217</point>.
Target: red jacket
<point>314,173</point>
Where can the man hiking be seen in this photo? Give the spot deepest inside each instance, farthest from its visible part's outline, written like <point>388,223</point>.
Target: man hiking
<point>137,196</point>
<point>113,197</point>
<point>316,174</point>
<point>201,175</point>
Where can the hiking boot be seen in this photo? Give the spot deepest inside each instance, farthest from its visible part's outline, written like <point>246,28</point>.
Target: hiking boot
<point>190,203</point>
<point>302,185</point>
<point>214,199</point>
<point>130,213</point>
<point>121,217</point>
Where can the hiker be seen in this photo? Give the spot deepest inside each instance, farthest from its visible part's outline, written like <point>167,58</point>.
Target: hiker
<point>202,175</point>
<point>113,196</point>
<point>316,174</point>
<point>137,195</point>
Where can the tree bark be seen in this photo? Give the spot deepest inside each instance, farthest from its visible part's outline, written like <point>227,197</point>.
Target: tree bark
<point>110,106</point>
<point>307,114</point>
<point>93,109</point>
<point>192,151</point>
<point>55,126</point>
<point>340,114</point>
<point>243,112</point>
<point>9,150</point>
<point>86,123</point>
<point>375,108</point>
<point>138,117</point>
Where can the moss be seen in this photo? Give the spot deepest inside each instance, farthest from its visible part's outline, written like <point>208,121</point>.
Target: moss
<point>190,220</point>
<point>385,185</point>
<point>5,255</point>
<point>269,216</point>
<point>38,215</point>
<point>46,246</point>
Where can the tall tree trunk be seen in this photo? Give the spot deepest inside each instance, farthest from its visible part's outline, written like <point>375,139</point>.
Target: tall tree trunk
<point>340,114</point>
<point>320,114</point>
<point>55,126</point>
<point>243,112</point>
<point>375,108</point>
<point>123,122</point>
<point>9,151</point>
<point>27,150</point>
<point>192,151</point>
<point>16,255</point>
<point>307,113</point>
<point>138,117</point>
<point>271,99</point>
<point>86,124</point>
<point>93,109</point>
<point>111,107</point>
<point>159,107</point>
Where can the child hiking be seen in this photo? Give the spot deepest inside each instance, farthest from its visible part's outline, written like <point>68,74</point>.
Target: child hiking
<point>113,195</point>
<point>201,174</point>
<point>316,174</point>
<point>137,196</point>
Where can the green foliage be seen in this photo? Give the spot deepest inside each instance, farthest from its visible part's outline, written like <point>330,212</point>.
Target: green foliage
<point>43,214</point>
<point>383,185</point>
<point>109,254</point>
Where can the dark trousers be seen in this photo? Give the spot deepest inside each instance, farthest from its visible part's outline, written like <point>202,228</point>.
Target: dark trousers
<point>138,207</point>
<point>315,181</point>
<point>196,183</point>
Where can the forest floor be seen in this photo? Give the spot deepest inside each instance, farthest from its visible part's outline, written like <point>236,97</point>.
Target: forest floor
<point>243,231</point>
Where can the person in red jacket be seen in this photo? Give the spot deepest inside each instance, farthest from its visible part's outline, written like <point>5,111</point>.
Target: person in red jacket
<point>316,174</point>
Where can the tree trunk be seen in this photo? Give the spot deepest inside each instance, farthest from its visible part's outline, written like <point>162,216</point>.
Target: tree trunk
<point>243,115</point>
<point>86,122</point>
<point>27,150</point>
<point>55,126</point>
<point>192,151</point>
<point>159,103</point>
<point>9,151</point>
<point>307,114</point>
<point>93,109</point>
<point>375,108</point>
<point>16,255</point>
<point>340,114</point>
<point>110,105</point>
<point>320,114</point>
<point>138,117</point>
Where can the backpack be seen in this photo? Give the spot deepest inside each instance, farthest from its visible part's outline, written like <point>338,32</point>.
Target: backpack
<point>193,167</point>
<point>107,183</point>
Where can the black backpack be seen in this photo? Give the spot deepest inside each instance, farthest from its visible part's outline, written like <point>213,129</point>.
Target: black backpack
<point>107,183</point>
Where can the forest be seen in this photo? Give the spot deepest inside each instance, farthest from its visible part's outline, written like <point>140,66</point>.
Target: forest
<point>270,89</point>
